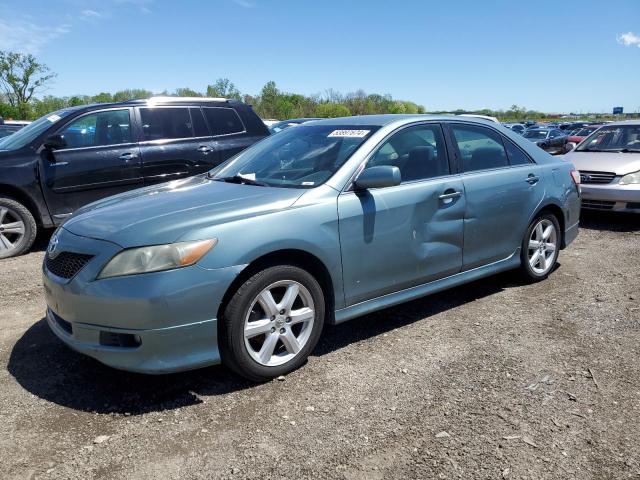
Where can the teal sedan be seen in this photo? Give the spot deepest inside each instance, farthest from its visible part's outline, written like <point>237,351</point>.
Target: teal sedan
<point>319,224</point>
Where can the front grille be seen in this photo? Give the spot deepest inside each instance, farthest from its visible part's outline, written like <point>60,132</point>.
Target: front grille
<point>63,324</point>
<point>123,340</point>
<point>635,205</point>
<point>596,177</point>
<point>598,204</point>
<point>66,264</point>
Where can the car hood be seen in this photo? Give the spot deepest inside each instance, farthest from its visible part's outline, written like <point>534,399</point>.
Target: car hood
<point>619,163</point>
<point>164,213</point>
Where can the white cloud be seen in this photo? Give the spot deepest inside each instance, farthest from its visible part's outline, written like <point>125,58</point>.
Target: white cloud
<point>90,14</point>
<point>629,39</point>
<point>28,37</point>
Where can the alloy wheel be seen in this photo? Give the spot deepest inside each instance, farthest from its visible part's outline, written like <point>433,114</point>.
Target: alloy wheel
<point>542,246</point>
<point>12,229</point>
<point>279,323</point>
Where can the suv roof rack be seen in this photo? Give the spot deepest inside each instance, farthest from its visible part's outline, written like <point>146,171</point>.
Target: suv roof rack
<point>167,99</point>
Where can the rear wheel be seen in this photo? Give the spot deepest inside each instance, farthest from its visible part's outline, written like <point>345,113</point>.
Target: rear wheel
<point>540,247</point>
<point>272,323</point>
<point>17,228</point>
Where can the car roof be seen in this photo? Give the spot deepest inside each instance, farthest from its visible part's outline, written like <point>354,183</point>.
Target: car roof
<point>623,122</point>
<point>382,120</point>
<point>159,100</point>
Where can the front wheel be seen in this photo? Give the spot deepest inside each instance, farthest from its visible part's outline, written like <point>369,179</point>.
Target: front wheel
<point>540,247</point>
<point>17,228</point>
<point>272,323</point>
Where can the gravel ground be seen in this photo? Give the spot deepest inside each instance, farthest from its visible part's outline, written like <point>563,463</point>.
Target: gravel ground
<point>495,379</point>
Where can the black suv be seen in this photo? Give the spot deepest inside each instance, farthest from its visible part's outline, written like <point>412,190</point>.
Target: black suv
<point>74,156</point>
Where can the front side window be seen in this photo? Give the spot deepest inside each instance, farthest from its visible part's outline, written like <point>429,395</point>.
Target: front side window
<point>301,157</point>
<point>615,138</point>
<point>162,123</point>
<point>223,121</point>
<point>110,127</point>
<point>480,148</point>
<point>419,152</point>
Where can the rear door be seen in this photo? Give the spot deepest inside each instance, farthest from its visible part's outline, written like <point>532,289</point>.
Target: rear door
<point>502,188</point>
<point>101,159</point>
<point>175,143</point>
<point>398,237</point>
<point>228,131</point>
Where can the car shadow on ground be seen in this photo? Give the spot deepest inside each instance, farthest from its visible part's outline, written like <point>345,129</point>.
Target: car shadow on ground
<point>610,221</point>
<point>45,367</point>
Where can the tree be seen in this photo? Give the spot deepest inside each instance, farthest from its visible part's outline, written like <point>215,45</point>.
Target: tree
<point>332,110</point>
<point>187,92</point>
<point>21,76</point>
<point>223,87</point>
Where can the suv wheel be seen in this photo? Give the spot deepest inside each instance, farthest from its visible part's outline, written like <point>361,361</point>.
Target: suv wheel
<point>17,228</point>
<point>272,323</point>
<point>540,247</point>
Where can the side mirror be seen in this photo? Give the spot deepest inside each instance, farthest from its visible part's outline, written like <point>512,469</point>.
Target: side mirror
<point>55,142</point>
<point>569,146</point>
<point>378,177</point>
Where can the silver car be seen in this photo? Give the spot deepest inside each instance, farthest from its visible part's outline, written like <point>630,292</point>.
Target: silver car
<point>609,165</point>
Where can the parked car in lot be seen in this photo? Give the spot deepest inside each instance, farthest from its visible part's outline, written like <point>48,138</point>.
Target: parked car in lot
<point>283,125</point>
<point>6,130</point>
<point>609,165</point>
<point>319,223</point>
<point>552,140</point>
<point>580,134</point>
<point>519,128</point>
<point>77,155</point>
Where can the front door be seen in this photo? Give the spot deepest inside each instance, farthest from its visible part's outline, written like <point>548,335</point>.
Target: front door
<point>101,158</point>
<point>502,189</point>
<point>398,237</point>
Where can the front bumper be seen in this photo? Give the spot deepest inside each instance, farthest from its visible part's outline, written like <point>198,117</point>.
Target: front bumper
<point>611,196</point>
<point>151,323</point>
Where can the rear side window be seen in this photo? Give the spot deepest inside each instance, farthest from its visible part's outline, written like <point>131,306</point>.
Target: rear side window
<point>110,127</point>
<point>516,156</point>
<point>223,121</point>
<point>199,125</point>
<point>160,123</point>
<point>480,148</point>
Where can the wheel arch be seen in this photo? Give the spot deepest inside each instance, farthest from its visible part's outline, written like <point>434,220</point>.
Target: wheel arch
<point>24,198</point>
<point>291,256</point>
<point>557,212</point>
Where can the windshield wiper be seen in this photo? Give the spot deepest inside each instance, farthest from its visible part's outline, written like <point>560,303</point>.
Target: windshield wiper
<point>242,180</point>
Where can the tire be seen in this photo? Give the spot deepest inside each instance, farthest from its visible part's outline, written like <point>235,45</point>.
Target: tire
<point>538,260</point>
<point>18,228</point>
<point>252,323</point>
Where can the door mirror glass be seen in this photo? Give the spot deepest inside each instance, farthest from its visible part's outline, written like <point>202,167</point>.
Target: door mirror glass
<point>378,177</point>
<point>569,146</point>
<point>55,142</point>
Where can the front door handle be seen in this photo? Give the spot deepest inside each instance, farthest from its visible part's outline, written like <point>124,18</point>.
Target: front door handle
<point>532,179</point>
<point>205,149</point>
<point>128,156</point>
<point>450,195</point>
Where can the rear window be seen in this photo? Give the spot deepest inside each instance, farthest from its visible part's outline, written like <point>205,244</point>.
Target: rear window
<point>223,121</point>
<point>159,123</point>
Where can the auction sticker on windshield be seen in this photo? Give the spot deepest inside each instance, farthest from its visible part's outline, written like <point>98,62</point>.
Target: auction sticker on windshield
<point>349,133</point>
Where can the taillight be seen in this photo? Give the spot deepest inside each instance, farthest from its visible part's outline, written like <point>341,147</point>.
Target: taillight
<point>575,175</point>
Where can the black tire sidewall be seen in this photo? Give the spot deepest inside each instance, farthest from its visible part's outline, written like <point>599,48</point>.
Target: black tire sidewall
<point>231,333</point>
<point>30,227</point>
<point>526,267</point>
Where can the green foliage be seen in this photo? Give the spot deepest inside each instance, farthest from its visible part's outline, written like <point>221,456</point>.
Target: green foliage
<point>332,110</point>
<point>21,76</point>
<point>223,87</point>
<point>187,92</point>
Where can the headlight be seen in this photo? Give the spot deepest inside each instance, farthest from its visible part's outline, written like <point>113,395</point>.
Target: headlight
<point>631,178</point>
<point>156,258</point>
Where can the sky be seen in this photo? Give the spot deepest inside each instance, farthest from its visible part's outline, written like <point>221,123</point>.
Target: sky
<point>547,55</point>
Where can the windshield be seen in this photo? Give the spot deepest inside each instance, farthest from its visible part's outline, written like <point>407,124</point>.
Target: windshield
<point>583,132</point>
<point>278,127</point>
<point>537,134</point>
<point>301,157</point>
<point>27,134</point>
<point>616,138</point>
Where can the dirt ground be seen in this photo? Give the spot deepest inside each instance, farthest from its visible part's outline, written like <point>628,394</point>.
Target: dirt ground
<point>495,379</point>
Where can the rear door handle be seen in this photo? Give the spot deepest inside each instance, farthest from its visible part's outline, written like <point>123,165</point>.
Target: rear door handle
<point>204,149</point>
<point>532,179</point>
<point>128,156</point>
